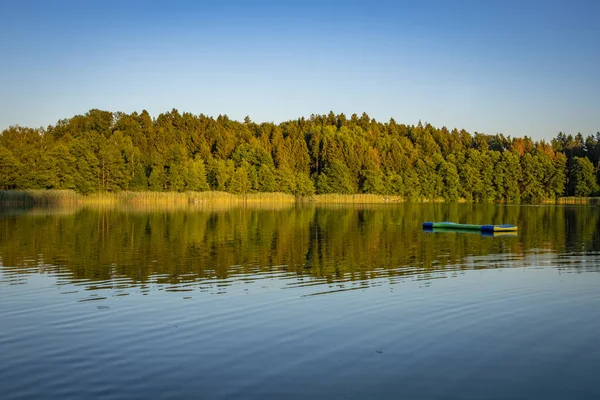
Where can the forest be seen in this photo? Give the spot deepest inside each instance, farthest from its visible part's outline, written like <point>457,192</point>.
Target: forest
<point>103,151</point>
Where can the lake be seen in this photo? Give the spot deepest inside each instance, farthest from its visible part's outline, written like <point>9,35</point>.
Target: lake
<point>299,302</point>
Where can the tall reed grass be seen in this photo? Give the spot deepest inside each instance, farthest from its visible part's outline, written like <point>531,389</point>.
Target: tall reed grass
<point>576,200</point>
<point>58,197</point>
<point>352,199</point>
<point>38,197</point>
<point>70,197</point>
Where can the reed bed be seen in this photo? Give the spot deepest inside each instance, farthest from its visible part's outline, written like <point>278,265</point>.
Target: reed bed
<point>38,197</point>
<point>199,198</point>
<point>185,199</point>
<point>67,197</point>
<point>576,200</point>
<point>223,197</point>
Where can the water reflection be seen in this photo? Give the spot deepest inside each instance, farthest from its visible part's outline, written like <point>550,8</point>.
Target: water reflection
<point>118,252</point>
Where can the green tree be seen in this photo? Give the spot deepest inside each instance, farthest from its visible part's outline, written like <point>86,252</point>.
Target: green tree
<point>373,182</point>
<point>177,177</point>
<point>451,180</point>
<point>394,184</point>
<point>196,175</point>
<point>158,180</point>
<point>557,180</point>
<point>304,185</point>
<point>582,178</point>
<point>285,180</point>
<point>531,187</point>
<point>86,174</point>
<point>9,169</point>
<point>113,170</point>
<point>511,177</point>
<point>220,174</point>
<point>335,179</point>
<point>266,178</point>
<point>240,182</point>
<point>412,185</point>
<point>63,167</point>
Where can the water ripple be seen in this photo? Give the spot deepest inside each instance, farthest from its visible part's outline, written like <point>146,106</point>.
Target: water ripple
<point>280,277</point>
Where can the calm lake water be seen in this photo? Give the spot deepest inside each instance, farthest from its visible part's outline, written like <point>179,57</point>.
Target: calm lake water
<point>299,302</point>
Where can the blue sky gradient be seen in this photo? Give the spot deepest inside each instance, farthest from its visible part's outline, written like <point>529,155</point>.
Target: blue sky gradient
<point>513,67</point>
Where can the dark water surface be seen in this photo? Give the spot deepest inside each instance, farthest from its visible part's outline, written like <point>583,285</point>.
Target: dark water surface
<point>298,302</point>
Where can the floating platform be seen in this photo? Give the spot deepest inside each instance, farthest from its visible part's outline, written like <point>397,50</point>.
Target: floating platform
<point>472,231</point>
<point>469,227</point>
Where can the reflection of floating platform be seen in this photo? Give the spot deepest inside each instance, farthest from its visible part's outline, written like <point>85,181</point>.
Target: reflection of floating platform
<point>475,231</point>
<point>469,227</point>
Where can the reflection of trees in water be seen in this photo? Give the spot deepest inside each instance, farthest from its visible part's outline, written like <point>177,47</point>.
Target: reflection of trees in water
<point>331,242</point>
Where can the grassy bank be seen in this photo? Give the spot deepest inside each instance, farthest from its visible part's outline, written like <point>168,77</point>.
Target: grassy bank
<point>187,198</point>
<point>147,199</point>
<point>65,197</point>
<point>38,197</point>
<point>351,199</point>
<point>577,200</point>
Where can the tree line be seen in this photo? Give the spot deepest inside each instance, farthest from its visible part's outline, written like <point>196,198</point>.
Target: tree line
<point>103,151</point>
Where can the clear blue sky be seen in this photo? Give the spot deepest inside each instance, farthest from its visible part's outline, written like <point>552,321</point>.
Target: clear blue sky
<point>513,67</point>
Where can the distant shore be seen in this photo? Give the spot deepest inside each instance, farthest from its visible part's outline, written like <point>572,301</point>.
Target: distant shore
<point>65,197</point>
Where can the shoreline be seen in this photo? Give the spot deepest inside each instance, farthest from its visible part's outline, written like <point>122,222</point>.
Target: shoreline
<point>42,197</point>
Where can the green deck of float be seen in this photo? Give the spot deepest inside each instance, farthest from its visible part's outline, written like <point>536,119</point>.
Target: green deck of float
<point>472,227</point>
<point>452,225</point>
